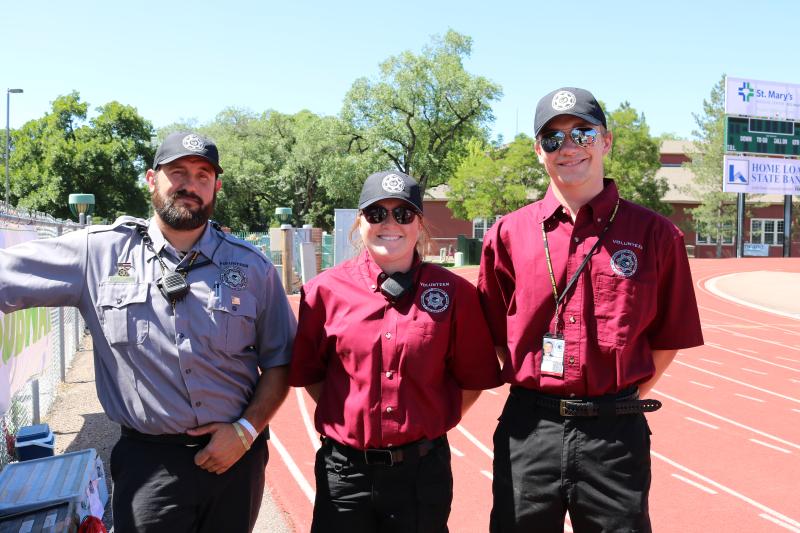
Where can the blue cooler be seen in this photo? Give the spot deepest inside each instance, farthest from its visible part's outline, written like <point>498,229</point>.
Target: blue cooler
<point>34,442</point>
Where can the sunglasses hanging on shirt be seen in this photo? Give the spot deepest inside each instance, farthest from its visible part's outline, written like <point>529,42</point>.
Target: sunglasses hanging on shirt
<point>583,137</point>
<point>376,214</point>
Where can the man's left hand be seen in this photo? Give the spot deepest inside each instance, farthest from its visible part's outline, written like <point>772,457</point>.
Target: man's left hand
<point>224,449</point>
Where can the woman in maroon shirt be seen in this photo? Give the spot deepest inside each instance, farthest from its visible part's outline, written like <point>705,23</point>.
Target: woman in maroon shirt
<point>393,350</point>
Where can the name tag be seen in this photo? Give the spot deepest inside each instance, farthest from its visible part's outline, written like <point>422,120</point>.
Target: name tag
<point>552,355</point>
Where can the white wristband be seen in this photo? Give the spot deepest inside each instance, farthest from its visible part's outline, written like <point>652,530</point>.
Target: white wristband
<point>249,427</point>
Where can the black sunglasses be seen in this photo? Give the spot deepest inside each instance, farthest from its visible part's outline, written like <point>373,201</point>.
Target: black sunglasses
<point>375,214</point>
<point>584,137</point>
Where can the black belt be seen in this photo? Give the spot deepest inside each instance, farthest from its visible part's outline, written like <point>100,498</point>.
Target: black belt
<point>386,456</point>
<point>626,403</point>
<point>179,439</point>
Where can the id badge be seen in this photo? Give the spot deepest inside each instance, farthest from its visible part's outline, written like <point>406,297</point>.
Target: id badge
<point>553,355</point>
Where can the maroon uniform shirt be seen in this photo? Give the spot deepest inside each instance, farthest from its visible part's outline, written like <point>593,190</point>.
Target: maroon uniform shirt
<point>392,374</point>
<point>635,294</point>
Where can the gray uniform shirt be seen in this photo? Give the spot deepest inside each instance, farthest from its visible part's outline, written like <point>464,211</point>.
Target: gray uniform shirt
<point>160,370</point>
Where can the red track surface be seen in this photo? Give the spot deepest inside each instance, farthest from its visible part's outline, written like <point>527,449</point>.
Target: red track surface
<point>725,447</point>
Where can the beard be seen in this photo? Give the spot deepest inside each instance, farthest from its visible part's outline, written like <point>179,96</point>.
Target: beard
<point>181,217</point>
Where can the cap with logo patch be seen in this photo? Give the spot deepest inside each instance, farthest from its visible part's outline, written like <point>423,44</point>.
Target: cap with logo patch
<point>568,101</point>
<point>185,144</point>
<point>390,184</point>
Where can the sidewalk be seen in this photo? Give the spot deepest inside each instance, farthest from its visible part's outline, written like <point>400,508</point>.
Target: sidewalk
<point>78,422</point>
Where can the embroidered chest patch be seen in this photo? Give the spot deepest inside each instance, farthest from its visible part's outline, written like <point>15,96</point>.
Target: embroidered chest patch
<point>234,277</point>
<point>434,300</point>
<point>624,263</point>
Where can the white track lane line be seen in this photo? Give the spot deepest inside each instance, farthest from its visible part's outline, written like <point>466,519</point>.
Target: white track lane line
<point>695,484</point>
<point>666,375</point>
<point>751,370</point>
<point>487,474</point>
<point>786,359</point>
<point>728,420</point>
<point>696,421</point>
<point>740,319</point>
<point>759,339</point>
<point>779,522</point>
<point>796,410</point>
<point>723,488</point>
<point>493,393</point>
<point>701,384</point>
<point>746,397</point>
<point>304,414</point>
<point>794,380</point>
<point>711,285</point>
<point>749,351</point>
<point>742,383</point>
<point>474,440</point>
<point>759,359</point>
<point>761,442</point>
<point>711,361</point>
<point>305,486</point>
<point>455,451</point>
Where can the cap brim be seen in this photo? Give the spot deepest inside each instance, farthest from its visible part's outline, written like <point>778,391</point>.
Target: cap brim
<point>371,201</point>
<point>588,118</point>
<point>180,156</point>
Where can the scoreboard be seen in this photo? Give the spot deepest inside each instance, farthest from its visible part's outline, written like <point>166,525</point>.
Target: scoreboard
<point>762,136</point>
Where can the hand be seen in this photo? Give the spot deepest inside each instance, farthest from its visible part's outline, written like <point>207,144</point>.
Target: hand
<point>224,449</point>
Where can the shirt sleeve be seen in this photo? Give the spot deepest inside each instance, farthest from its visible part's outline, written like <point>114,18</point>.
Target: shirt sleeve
<point>495,284</point>
<point>44,272</point>
<point>677,323</point>
<point>309,361</point>
<point>276,324</point>
<point>473,360</point>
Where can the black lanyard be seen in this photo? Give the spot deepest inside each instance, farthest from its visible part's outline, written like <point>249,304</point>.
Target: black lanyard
<point>577,273</point>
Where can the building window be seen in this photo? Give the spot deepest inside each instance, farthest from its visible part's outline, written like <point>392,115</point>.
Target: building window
<point>766,231</point>
<point>710,237</point>
<point>481,225</point>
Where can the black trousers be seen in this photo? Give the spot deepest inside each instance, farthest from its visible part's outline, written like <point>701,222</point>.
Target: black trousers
<point>354,497</point>
<point>159,489</point>
<point>597,468</point>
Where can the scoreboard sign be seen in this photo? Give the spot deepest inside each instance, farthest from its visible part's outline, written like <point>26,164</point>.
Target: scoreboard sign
<point>762,136</point>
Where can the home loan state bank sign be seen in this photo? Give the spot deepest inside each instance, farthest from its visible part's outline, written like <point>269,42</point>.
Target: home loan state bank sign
<point>762,175</point>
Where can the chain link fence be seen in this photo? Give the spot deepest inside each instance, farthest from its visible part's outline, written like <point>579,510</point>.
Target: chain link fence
<point>34,400</point>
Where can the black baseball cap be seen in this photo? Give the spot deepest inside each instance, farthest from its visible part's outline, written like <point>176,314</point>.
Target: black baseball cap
<point>568,101</point>
<point>390,184</point>
<point>184,144</point>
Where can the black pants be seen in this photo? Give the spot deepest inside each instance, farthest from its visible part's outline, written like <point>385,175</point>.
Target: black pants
<point>159,489</point>
<point>411,497</point>
<point>597,468</point>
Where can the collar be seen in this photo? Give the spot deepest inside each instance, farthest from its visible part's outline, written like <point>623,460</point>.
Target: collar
<point>205,245</point>
<point>372,274</point>
<point>601,205</point>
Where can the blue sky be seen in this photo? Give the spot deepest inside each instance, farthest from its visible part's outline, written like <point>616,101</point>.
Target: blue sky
<point>189,60</point>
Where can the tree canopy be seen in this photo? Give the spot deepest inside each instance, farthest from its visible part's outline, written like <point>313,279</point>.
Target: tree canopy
<point>421,110</point>
<point>634,160</point>
<point>493,181</point>
<point>64,152</point>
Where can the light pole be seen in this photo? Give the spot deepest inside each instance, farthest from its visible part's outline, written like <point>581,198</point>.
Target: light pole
<point>8,137</point>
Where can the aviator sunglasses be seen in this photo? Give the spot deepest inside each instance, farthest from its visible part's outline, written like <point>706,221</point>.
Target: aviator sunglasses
<point>375,214</point>
<point>583,137</point>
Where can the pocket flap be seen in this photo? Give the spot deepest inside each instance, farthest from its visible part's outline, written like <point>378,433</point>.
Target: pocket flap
<point>121,294</point>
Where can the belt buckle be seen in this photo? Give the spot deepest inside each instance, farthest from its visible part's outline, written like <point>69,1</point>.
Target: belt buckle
<point>563,405</point>
<point>378,457</point>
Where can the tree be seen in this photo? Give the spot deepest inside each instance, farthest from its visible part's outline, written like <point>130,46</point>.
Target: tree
<point>716,214</point>
<point>63,153</point>
<point>493,181</point>
<point>634,160</point>
<point>421,111</point>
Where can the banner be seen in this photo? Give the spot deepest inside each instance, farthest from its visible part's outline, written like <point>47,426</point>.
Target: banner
<point>24,335</point>
<point>768,99</point>
<point>761,175</point>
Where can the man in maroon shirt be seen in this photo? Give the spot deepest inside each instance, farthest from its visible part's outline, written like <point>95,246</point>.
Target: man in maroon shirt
<point>603,286</point>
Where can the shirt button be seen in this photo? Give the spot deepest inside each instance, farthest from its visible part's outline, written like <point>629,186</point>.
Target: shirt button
<point>599,219</point>
<point>180,336</point>
<point>389,409</point>
<point>389,374</point>
<point>576,239</point>
<point>572,319</point>
<point>373,286</point>
<point>571,360</point>
<point>234,308</point>
<point>188,370</point>
<point>388,335</point>
<point>119,300</point>
<point>198,404</point>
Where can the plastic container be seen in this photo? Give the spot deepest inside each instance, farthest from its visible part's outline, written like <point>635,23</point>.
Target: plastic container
<point>76,478</point>
<point>34,442</point>
<point>55,518</point>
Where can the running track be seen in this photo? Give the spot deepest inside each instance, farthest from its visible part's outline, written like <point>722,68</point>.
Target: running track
<point>725,447</point>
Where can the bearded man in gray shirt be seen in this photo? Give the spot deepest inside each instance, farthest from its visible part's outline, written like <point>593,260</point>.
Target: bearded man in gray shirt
<point>192,335</point>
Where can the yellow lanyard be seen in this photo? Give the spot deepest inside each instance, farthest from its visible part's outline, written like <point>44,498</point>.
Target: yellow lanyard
<point>577,273</point>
